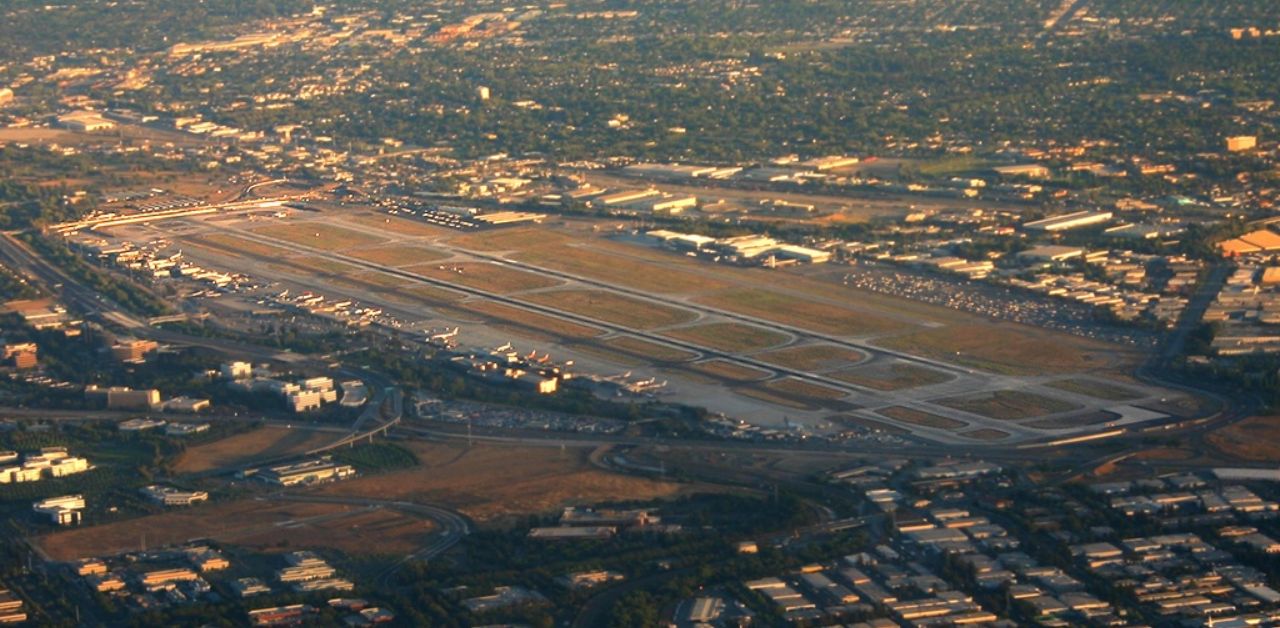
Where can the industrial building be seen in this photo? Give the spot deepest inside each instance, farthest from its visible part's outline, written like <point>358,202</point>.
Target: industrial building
<point>1067,222</point>
<point>51,462</point>
<point>1240,143</point>
<point>1259,241</point>
<point>308,472</point>
<point>11,611</point>
<point>173,497</point>
<point>86,122</point>
<point>133,350</point>
<point>123,397</point>
<point>63,510</point>
<point>1032,171</point>
<point>23,355</point>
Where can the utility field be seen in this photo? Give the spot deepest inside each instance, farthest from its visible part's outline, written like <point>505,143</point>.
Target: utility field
<point>1012,349</point>
<point>1096,389</point>
<point>891,377</point>
<point>805,390</point>
<point>923,419</point>
<point>491,483</point>
<point>484,276</point>
<point>508,317</point>
<point>1009,405</point>
<point>610,267</point>
<point>228,243</point>
<point>728,371</point>
<point>263,526</point>
<point>613,308</point>
<point>398,255</point>
<point>800,312</point>
<point>649,350</point>
<point>320,235</point>
<point>728,337</point>
<point>813,358</point>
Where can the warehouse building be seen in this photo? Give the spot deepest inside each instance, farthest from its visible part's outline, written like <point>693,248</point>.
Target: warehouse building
<point>63,510</point>
<point>308,472</point>
<point>1067,222</point>
<point>170,496</point>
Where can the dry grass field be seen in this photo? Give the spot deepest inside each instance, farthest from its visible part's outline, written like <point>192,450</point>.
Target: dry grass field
<point>1256,439</point>
<point>813,358</point>
<point>812,315</point>
<point>891,377</point>
<point>728,337</point>
<point>484,276</point>
<point>398,254</point>
<point>241,449</point>
<point>728,371</point>
<point>1009,405</point>
<point>613,308</point>
<point>319,235</point>
<point>648,350</point>
<point>491,483</point>
<point>263,526</point>
<point>924,419</point>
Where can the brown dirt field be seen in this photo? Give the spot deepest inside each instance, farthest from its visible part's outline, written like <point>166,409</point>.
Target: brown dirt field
<point>1097,390</point>
<point>1009,405</point>
<point>233,244</point>
<point>240,449</point>
<point>807,390</point>
<point>728,337</point>
<point>985,434</point>
<point>613,308</point>
<point>894,377</point>
<point>812,315</point>
<point>1011,349</point>
<point>1255,439</point>
<point>655,277</point>
<point>923,419</point>
<point>490,483</point>
<point>398,255</point>
<point>484,276</point>
<point>330,238</point>
<point>649,350</point>
<point>252,523</point>
<point>398,226</point>
<point>729,371</point>
<point>529,324</point>
<point>813,358</point>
